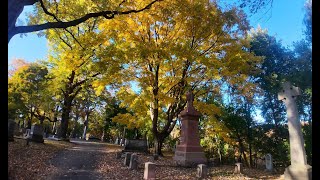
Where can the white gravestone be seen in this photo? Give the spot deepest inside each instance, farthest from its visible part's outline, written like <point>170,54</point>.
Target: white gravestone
<point>133,161</point>
<point>269,162</point>
<point>149,171</point>
<point>299,169</point>
<point>238,168</point>
<point>202,171</point>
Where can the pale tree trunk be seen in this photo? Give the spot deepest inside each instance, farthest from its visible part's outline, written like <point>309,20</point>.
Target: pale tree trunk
<point>73,133</point>
<point>123,136</point>
<point>103,134</point>
<point>84,132</point>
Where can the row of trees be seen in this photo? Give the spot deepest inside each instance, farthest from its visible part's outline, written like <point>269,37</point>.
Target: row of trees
<point>133,72</point>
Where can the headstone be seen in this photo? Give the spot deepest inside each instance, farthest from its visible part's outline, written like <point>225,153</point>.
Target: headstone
<point>11,126</point>
<point>269,162</point>
<point>260,163</point>
<point>133,161</point>
<point>118,155</point>
<point>136,145</point>
<point>299,169</point>
<point>36,133</point>
<point>127,158</point>
<point>238,168</point>
<point>149,171</point>
<point>189,152</point>
<point>202,171</point>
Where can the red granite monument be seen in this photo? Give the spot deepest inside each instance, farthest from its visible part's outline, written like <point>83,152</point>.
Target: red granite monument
<point>189,152</point>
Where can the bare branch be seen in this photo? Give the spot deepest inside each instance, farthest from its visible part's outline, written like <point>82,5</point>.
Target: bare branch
<point>63,25</point>
<point>47,12</point>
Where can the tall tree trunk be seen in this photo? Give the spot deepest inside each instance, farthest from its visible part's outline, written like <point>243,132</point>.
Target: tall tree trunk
<point>220,157</point>
<point>123,136</point>
<point>242,149</point>
<point>73,133</point>
<point>41,119</point>
<point>66,109</point>
<point>103,134</point>
<point>29,124</point>
<point>245,159</point>
<point>54,127</point>
<point>250,155</point>
<point>84,134</point>
<point>158,145</point>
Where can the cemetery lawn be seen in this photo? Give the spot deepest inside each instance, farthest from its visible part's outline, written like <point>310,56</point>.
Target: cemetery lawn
<point>95,160</point>
<point>32,161</point>
<point>113,168</point>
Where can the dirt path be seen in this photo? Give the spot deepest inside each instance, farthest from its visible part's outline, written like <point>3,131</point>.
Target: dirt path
<point>79,162</point>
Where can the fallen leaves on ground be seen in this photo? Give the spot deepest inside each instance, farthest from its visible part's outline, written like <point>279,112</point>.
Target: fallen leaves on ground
<point>32,161</point>
<point>166,169</point>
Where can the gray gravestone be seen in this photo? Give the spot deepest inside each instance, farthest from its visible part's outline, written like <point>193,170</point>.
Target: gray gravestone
<point>127,158</point>
<point>269,162</point>
<point>299,169</point>
<point>149,171</point>
<point>36,133</point>
<point>238,168</point>
<point>133,161</point>
<point>11,126</point>
<point>136,145</point>
<point>202,171</point>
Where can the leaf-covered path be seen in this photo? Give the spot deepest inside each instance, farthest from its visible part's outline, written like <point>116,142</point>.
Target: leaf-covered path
<point>79,162</point>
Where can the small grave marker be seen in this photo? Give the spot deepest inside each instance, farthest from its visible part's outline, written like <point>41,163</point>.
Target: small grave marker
<point>149,171</point>
<point>202,171</point>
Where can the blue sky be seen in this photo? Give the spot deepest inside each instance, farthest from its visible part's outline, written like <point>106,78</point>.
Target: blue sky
<point>285,22</point>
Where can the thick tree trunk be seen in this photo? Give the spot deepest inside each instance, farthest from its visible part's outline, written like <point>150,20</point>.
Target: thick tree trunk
<point>86,123</point>
<point>245,159</point>
<point>15,8</point>
<point>84,134</point>
<point>29,124</point>
<point>242,151</point>
<point>65,118</point>
<point>158,145</point>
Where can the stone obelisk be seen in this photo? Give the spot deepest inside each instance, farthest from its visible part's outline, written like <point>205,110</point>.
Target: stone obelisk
<point>299,169</point>
<point>189,152</point>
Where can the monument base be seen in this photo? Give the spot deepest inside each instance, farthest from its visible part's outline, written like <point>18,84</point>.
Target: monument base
<point>189,159</point>
<point>298,172</point>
